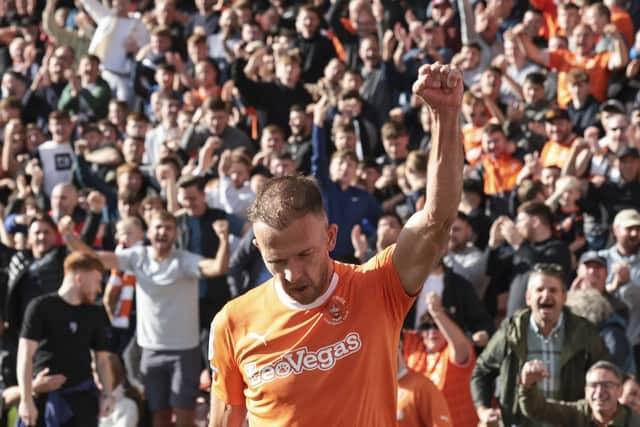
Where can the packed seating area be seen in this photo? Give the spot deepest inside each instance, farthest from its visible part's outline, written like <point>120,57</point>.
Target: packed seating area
<point>119,116</point>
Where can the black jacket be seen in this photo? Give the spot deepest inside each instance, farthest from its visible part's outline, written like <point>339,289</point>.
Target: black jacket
<point>49,270</point>
<point>461,302</point>
<point>272,98</point>
<point>511,268</point>
<point>316,53</point>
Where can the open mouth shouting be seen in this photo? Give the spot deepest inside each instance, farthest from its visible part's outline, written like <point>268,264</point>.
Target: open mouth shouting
<point>546,308</point>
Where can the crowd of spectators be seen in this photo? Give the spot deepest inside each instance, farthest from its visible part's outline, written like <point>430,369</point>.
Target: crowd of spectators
<point>127,124</point>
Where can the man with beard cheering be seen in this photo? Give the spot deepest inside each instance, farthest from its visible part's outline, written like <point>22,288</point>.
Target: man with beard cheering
<point>546,331</point>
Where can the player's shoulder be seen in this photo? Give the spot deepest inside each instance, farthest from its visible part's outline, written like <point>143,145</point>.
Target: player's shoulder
<point>247,305</point>
<point>379,261</point>
<point>378,269</point>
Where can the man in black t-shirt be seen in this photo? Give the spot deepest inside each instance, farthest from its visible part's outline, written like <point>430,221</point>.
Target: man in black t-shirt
<point>58,333</point>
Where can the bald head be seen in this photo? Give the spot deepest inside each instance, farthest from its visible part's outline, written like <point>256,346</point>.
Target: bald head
<point>64,199</point>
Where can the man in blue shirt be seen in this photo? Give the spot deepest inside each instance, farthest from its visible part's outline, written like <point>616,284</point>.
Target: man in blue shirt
<point>346,204</point>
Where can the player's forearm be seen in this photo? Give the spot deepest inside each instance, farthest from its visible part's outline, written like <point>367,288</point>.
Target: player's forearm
<point>444,174</point>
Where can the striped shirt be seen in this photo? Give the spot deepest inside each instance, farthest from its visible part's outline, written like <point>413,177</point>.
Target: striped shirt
<point>548,350</point>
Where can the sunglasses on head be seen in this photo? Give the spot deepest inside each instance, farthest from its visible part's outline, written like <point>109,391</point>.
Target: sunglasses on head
<point>547,267</point>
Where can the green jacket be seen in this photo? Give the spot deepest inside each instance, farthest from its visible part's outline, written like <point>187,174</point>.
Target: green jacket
<point>506,353</point>
<point>574,414</point>
<point>91,104</point>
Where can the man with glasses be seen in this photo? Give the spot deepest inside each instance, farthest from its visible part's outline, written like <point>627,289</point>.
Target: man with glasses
<point>567,344</point>
<point>600,405</point>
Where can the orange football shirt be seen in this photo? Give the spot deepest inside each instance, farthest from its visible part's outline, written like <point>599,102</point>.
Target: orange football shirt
<point>624,23</point>
<point>472,142</point>
<point>332,362</point>
<point>500,175</point>
<point>453,380</point>
<point>556,154</point>
<point>597,66</point>
<point>420,403</point>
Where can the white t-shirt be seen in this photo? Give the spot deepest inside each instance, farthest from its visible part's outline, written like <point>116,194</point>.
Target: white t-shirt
<point>434,283</point>
<point>166,297</point>
<point>230,199</point>
<point>57,164</point>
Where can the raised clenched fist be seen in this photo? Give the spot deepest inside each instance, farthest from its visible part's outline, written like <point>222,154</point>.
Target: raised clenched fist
<point>440,86</point>
<point>66,226</point>
<point>532,372</point>
<point>221,228</point>
<point>96,201</point>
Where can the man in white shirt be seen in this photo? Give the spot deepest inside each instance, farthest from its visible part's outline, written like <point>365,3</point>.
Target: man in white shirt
<point>56,155</point>
<point>120,36</point>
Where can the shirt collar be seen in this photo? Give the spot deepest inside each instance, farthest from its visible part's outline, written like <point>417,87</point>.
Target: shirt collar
<point>295,305</point>
<point>534,327</point>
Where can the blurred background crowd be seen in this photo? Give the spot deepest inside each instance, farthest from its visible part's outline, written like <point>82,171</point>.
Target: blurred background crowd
<point>112,111</point>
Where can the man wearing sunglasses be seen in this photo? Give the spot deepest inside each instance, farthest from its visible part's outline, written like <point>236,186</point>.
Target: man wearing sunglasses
<point>567,344</point>
<point>600,406</point>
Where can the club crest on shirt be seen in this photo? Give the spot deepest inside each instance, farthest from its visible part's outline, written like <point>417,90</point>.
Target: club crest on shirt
<point>336,311</point>
<point>73,327</point>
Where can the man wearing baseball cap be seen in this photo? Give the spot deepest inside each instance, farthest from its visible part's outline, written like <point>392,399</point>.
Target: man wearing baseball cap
<point>623,264</point>
<point>592,274</point>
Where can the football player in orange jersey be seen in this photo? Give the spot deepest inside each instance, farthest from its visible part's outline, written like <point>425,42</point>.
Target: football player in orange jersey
<point>294,350</point>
